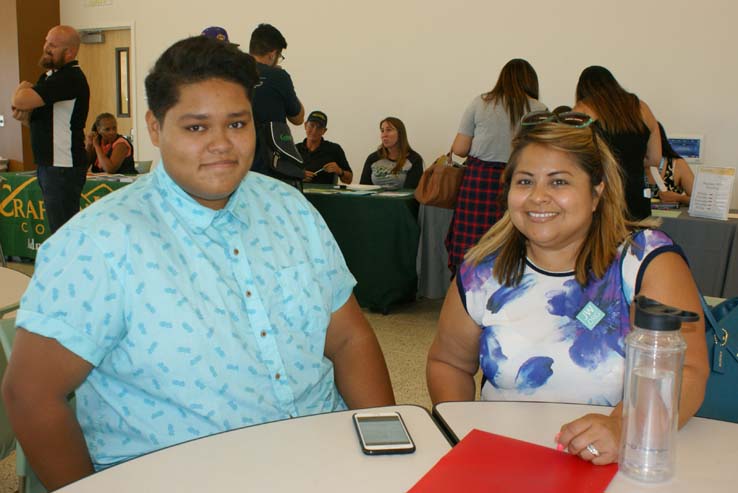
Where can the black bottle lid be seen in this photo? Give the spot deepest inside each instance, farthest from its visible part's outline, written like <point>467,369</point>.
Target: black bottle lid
<point>652,315</point>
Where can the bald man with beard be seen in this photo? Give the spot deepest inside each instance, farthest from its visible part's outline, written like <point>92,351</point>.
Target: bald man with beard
<point>55,109</point>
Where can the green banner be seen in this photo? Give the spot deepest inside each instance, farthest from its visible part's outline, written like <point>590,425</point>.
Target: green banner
<point>23,225</point>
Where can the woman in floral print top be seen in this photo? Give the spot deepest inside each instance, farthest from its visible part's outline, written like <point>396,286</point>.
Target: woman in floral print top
<point>542,302</point>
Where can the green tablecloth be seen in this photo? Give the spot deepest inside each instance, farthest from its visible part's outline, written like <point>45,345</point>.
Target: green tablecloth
<point>378,236</point>
<point>23,225</point>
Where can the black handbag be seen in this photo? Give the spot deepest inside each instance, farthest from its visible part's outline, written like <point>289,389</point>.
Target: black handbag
<point>721,331</point>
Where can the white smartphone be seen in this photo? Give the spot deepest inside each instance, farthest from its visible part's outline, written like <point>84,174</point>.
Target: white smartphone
<point>383,433</point>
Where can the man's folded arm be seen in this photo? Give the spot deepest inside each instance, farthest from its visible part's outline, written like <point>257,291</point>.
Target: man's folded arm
<point>25,98</point>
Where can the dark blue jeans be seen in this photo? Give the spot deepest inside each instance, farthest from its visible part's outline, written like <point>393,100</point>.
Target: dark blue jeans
<point>61,188</point>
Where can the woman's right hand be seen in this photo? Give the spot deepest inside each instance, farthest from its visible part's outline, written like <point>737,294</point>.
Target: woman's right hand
<point>598,431</point>
<point>90,138</point>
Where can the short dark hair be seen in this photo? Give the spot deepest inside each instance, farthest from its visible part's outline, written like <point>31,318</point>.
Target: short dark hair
<point>192,60</point>
<point>266,38</point>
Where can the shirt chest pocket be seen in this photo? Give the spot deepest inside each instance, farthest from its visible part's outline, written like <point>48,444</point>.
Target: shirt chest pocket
<point>299,303</point>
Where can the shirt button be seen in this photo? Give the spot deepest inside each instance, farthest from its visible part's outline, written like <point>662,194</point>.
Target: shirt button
<point>248,294</point>
<point>277,376</point>
<point>263,333</point>
<point>235,251</point>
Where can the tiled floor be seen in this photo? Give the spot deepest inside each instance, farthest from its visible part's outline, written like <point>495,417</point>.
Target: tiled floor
<point>8,480</point>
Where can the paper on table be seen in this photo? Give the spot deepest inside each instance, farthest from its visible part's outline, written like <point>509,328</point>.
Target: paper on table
<point>112,177</point>
<point>358,186</point>
<point>484,462</point>
<point>665,213</point>
<point>395,194</point>
<point>711,192</point>
<point>325,191</point>
<point>657,178</point>
<point>357,192</point>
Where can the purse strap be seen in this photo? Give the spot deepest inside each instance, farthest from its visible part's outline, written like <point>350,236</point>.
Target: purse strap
<point>721,335</point>
<point>710,318</point>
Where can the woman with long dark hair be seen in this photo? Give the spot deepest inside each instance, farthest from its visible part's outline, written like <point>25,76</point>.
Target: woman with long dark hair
<point>394,164</point>
<point>484,138</point>
<point>629,128</point>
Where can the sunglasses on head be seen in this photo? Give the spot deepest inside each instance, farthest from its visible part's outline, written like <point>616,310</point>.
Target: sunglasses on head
<point>571,118</point>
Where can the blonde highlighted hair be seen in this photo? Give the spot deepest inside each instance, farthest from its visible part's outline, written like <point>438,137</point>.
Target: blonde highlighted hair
<point>609,225</point>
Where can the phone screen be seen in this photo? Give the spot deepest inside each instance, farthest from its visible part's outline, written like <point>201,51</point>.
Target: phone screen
<point>383,430</point>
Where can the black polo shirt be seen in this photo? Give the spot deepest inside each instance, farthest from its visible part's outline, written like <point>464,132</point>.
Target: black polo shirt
<point>274,97</point>
<point>57,127</point>
<point>327,152</point>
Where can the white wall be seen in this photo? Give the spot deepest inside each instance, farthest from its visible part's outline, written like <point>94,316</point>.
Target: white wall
<point>424,60</point>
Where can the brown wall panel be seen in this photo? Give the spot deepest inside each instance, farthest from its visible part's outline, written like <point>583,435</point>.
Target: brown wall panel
<point>11,143</point>
<point>34,19</point>
<point>98,63</point>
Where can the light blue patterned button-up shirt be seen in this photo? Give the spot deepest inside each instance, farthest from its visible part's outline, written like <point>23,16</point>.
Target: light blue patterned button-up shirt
<point>196,321</point>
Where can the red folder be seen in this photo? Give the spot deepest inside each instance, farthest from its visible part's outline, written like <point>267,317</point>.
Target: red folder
<point>485,462</point>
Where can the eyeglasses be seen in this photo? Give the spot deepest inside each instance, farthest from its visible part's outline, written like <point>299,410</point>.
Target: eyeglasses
<point>281,57</point>
<point>572,118</point>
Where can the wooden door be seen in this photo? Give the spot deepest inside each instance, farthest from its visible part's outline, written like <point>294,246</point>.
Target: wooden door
<point>98,61</point>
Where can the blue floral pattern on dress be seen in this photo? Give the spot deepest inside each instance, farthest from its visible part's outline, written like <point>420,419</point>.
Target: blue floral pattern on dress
<point>591,347</point>
<point>506,294</point>
<point>533,373</point>
<point>474,279</point>
<point>490,353</point>
<point>532,345</point>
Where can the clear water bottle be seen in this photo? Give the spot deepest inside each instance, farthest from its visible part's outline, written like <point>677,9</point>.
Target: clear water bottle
<point>653,379</point>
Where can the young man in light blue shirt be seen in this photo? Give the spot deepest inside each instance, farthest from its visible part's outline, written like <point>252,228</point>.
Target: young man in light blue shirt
<point>199,299</point>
